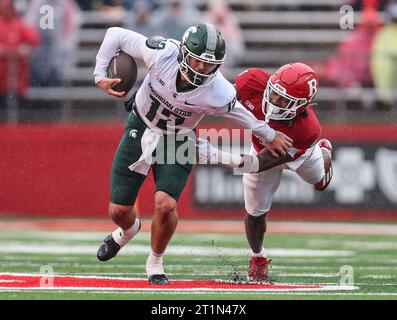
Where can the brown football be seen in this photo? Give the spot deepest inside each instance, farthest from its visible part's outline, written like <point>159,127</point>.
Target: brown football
<point>124,67</point>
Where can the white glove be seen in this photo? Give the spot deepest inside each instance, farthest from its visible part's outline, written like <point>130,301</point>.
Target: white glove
<point>206,153</point>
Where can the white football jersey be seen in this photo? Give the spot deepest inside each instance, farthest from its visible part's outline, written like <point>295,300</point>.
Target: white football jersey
<point>159,103</point>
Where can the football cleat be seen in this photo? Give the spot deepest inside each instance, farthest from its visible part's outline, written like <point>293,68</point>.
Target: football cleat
<point>259,270</point>
<point>108,249</point>
<point>158,279</point>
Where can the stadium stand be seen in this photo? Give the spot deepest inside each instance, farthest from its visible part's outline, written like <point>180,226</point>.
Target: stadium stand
<point>275,32</point>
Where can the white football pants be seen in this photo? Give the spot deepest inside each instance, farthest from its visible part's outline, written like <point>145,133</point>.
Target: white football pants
<point>259,188</point>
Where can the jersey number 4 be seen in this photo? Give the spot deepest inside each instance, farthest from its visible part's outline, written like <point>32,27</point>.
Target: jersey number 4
<point>168,115</point>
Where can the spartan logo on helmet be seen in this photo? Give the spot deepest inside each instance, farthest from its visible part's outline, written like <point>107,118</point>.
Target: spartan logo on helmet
<point>205,43</point>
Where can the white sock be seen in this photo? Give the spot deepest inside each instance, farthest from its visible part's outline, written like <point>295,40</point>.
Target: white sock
<point>123,236</point>
<point>154,264</point>
<point>260,254</point>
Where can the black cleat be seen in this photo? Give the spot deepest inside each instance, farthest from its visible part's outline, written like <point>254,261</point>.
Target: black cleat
<point>108,249</point>
<point>160,279</point>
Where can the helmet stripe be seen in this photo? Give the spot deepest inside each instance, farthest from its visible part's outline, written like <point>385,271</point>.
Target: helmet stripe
<point>211,39</point>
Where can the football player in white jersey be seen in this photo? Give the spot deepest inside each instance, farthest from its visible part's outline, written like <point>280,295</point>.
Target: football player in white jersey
<point>182,86</point>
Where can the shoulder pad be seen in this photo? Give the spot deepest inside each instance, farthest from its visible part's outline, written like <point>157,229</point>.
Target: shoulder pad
<point>155,42</point>
<point>251,81</point>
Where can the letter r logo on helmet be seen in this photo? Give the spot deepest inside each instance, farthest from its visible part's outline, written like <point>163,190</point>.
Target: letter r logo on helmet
<point>313,87</point>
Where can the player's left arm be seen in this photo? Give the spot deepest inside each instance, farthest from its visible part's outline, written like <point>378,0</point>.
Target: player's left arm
<point>325,181</point>
<point>312,139</point>
<point>264,160</point>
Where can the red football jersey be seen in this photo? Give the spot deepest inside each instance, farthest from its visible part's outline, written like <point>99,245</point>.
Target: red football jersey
<point>304,129</point>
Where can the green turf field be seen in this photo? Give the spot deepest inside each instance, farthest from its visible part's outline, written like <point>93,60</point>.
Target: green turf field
<point>297,258</point>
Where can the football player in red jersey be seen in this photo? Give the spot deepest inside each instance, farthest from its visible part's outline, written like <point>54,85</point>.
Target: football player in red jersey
<point>284,101</point>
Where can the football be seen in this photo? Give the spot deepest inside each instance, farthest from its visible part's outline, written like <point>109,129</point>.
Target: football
<point>124,67</point>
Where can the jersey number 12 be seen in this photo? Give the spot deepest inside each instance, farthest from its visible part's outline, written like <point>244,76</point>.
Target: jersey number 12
<point>170,116</point>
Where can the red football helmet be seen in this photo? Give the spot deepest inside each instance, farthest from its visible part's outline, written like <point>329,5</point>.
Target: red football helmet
<point>291,87</point>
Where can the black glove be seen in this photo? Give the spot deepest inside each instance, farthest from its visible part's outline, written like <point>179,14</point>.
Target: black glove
<point>129,105</point>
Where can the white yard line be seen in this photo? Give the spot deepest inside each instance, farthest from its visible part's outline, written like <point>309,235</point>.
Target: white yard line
<point>172,250</point>
<point>379,276</point>
<point>333,228</point>
<point>355,244</point>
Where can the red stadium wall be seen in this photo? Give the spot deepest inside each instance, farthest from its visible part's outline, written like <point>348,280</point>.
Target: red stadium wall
<point>56,170</point>
<point>63,170</point>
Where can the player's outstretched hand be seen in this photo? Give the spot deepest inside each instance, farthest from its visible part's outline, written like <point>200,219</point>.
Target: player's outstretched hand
<point>205,151</point>
<point>280,145</point>
<point>107,85</point>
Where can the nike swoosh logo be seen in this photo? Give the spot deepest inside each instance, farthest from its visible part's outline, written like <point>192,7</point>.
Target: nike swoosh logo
<point>189,104</point>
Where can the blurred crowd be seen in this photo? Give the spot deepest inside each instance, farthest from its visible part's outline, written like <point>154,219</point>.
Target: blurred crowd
<point>368,56</point>
<point>39,38</point>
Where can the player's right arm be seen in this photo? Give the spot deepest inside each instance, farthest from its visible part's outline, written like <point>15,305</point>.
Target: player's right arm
<point>280,145</point>
<point>107,84</point>
<point>248,163</point>
<point>277,143</point>
<point>117,39</point>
